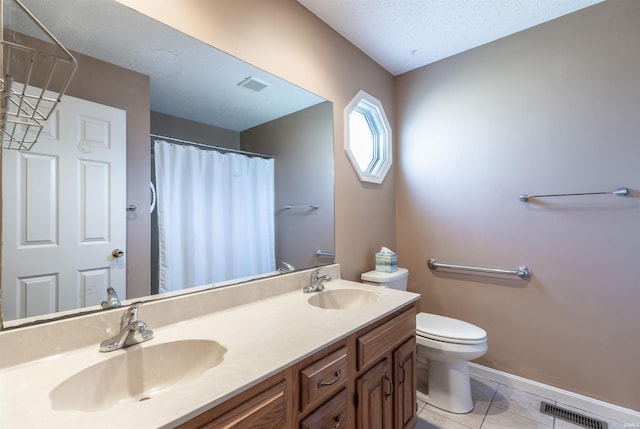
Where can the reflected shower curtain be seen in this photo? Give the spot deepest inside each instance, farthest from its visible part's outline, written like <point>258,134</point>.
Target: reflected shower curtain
<point>215,215</point>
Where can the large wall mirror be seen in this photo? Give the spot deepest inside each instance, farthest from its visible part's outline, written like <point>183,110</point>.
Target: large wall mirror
<point>165,84</point>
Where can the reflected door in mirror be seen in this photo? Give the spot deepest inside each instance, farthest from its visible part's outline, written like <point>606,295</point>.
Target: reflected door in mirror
<point>66,213</point>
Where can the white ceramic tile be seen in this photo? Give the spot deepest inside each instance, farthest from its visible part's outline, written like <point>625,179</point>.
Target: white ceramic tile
<point>472,419</point>
<point>482,389</point>
<point>498,418</point>
<point>482,392</point>
<point>430,420</point>
<point>522,403</point>
<point>612,424</point>
<point>420,405</point>
<point>497,406</point>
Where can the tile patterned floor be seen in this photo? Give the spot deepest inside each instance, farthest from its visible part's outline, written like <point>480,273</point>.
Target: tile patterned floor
<point>497,406</point>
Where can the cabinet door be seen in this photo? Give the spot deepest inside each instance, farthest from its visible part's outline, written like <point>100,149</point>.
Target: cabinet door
<point>404,376</point>
<point>375,398</point>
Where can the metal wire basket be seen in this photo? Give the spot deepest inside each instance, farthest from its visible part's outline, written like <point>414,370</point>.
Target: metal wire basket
<point>33,81</point>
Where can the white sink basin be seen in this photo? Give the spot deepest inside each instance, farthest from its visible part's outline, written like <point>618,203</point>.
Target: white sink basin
<point>136,374</point>
<point>342,299</point>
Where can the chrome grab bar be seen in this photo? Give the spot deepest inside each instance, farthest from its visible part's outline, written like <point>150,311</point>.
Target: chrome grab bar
<point>522,272</point>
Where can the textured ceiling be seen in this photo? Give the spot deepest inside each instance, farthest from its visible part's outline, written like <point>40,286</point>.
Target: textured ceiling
<point>402,35</point>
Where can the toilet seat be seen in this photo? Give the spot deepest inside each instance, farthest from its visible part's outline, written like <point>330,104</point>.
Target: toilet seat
<point>448,330</point>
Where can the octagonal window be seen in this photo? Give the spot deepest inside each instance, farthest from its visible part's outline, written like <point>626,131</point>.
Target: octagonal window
<point>368,138</point>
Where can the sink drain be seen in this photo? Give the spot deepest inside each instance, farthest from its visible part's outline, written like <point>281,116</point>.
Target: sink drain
<point>144,398</point>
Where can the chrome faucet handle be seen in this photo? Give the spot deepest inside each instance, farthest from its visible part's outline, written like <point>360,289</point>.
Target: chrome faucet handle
<point>139,333</point>
<point>130,315</point>
<point>287,268</point>
<point>112,299</point>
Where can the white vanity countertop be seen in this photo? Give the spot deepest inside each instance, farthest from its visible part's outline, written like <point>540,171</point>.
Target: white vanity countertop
<point>261,338</point>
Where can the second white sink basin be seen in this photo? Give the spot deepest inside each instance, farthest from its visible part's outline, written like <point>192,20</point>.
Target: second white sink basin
<point>342,299</point>
<point>136,374</point>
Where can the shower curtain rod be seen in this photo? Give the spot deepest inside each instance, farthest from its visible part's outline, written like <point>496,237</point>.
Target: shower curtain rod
<point>209,147</point>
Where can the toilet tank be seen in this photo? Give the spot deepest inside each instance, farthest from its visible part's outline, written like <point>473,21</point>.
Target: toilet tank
<point>395,280</point>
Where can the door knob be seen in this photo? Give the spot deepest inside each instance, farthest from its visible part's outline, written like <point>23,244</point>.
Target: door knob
<point>117,253</point>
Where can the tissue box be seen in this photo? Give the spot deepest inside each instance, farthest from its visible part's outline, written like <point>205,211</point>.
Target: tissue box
<point>386,262</point>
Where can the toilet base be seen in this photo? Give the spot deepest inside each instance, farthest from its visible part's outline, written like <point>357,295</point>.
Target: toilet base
<point>449,386</point>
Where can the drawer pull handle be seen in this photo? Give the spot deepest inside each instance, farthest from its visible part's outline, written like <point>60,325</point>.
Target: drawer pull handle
<point>330,383</point>
<point>337,420</point>
<point>404,373</point>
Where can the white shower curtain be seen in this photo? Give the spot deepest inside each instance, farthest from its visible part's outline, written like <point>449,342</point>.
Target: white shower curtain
<point>215,215</point>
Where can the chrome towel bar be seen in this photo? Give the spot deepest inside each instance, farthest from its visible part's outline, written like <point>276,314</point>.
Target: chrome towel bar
<point>310,206</point>
<point>321,254</point>
<point>621,192</point>
<point>522,272</point>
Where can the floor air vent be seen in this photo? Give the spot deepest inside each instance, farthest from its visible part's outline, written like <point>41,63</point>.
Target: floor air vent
<point>571,416</point>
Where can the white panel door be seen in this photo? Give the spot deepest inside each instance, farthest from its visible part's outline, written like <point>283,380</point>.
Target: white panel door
<point>64,213</point>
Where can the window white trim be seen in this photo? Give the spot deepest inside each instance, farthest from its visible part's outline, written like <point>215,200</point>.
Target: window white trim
<point>371,108</point>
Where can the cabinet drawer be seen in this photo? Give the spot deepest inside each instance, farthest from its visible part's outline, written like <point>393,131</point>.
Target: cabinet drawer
<point>323,377</point>
<point>332,415</point>
<point>267,409</point>
<point>374,344</point>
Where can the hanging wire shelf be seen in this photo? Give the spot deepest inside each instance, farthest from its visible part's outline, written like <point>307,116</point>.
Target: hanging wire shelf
<point>32,84</point>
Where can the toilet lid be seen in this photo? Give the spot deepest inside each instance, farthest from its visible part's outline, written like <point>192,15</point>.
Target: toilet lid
<point>441,328</point>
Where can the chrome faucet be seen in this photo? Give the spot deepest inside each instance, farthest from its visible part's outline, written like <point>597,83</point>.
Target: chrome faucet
<point>316,283</point>
<point>287,268</point>
<point>112,299</point>
<point>132,331</point>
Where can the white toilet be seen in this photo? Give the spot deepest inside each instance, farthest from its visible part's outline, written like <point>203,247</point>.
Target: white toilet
<point>445,344</point>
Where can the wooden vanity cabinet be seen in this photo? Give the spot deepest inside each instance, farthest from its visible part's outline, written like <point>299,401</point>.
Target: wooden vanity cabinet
<point>386,358</point>
<point>363,381</point>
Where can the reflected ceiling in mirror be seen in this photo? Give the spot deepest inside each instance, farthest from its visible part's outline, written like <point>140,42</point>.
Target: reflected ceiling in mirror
<point>188,78</point>
<point>193,81</point>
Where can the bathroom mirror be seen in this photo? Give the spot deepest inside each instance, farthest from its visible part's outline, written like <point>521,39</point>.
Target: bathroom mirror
<point>191,98</point>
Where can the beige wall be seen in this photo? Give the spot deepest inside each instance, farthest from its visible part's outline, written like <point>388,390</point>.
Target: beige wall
<point>302,146</point>
<point>287,40</point>
<point>550,110</point>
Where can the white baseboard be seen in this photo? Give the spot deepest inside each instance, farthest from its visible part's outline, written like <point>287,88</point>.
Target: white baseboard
<point>566,397</point>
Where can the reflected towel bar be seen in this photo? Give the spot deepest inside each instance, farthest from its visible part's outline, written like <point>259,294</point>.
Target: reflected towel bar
<point>621,192</point>
<point>321,254</point>
<point>522,272</point>
<point>310,206</point>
